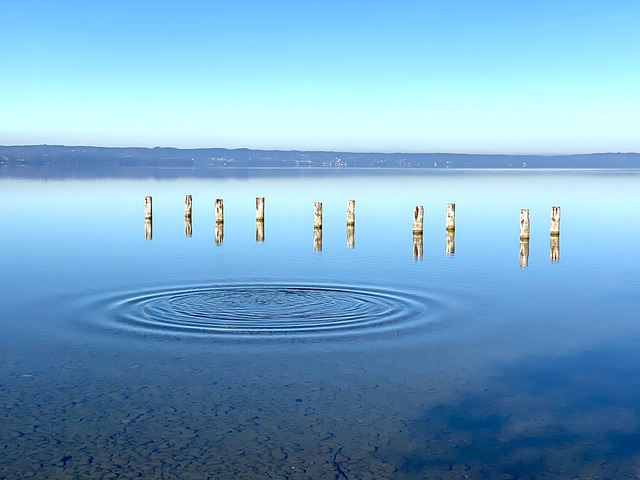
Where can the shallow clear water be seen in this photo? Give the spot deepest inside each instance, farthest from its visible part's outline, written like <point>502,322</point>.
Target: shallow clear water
<point>218,356</point>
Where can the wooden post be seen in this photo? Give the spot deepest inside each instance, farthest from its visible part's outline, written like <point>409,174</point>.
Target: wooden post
<point>187,206</point>
<point>317,239</point>
<point>450,226</point>
<point>219,211</point>
<point>148,211</point>
<point>351,239</point>
<point>317,215</point>
<point>450,242</point>
<point>351,213</point>
<point>451,216</point>
<point>524,224</point>
<point>555,221</point>
<point>417,246</point>
<point>148,216</point>
<point>418,217</point>
<point>554,248</point>
<point>188,227</point>
<point>219,233</point>
<point>260,208</point>
<point>259,231</point>
<point>524,252</point>
<point>148,229</point>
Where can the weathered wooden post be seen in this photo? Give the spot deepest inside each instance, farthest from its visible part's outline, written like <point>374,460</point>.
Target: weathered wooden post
<point>219,211</point>
<point>450,242</point>
<point>317,239</point>
<point>418,217</point>
<point>148,210</point>
<point>524,224</point>
<point>260,209</point>
<point>351,239</point>
<point>524,252</point>
<point>451,217</point>
<point>148,229</point>
<point>148,218</point>
<point>259,219</point>
<point>187,206</point>
<point>554,248</point>
<point>555,221</point>
<point>188,227</point>
<point>259,231</point>
<point>417,246</point>
<point>418,220</point>
<point>317,215</point>
<point>219,233</point>
<point>351,213</point>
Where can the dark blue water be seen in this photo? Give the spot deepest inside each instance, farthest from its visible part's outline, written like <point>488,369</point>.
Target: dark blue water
<point>218,356</point>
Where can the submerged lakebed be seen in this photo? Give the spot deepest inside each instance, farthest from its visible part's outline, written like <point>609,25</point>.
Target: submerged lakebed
<point>201,352</point>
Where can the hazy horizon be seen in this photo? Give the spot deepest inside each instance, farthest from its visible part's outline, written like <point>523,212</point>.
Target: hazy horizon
<point>325,150</point>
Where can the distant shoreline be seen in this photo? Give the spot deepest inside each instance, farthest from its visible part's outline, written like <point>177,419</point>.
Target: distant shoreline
<point>127,158</point>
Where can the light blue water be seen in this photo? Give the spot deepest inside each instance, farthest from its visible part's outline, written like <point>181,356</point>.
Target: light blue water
<point>181,357</point>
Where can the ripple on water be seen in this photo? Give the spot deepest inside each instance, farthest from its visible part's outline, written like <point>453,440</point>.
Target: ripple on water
<point>253,310</point>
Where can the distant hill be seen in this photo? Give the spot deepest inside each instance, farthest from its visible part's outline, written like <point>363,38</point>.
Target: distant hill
<point>111,160</point>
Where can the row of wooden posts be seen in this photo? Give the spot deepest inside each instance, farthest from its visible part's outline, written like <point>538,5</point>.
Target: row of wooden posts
<point>418,221</point>
<point>418,215</point>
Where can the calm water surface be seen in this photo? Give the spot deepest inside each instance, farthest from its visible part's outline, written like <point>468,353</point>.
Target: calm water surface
<point>213,355</point>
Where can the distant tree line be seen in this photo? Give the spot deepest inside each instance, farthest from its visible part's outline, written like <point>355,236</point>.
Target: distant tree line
<point>57,156</point>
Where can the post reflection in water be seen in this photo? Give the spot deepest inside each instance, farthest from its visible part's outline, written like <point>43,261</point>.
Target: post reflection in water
<point>148,229</point>
<point>317,239</point>
<point>351,239</point>
<point>188,227</point>
<point>524,252</point>
<point>417,247</point>
<point>259,231</point>
<point>450,242</point>
<point>554,248</point>
<point>219,233</point>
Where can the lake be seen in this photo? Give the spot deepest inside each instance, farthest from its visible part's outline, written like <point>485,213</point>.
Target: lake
<point>184,351</point>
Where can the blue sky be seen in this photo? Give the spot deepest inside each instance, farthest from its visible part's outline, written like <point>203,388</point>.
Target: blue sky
<point>465,76</point>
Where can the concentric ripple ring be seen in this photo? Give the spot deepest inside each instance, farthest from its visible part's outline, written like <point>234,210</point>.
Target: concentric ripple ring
<point>266,309</point>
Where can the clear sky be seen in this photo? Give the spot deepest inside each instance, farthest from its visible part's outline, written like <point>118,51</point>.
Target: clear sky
<point>485,76</point>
